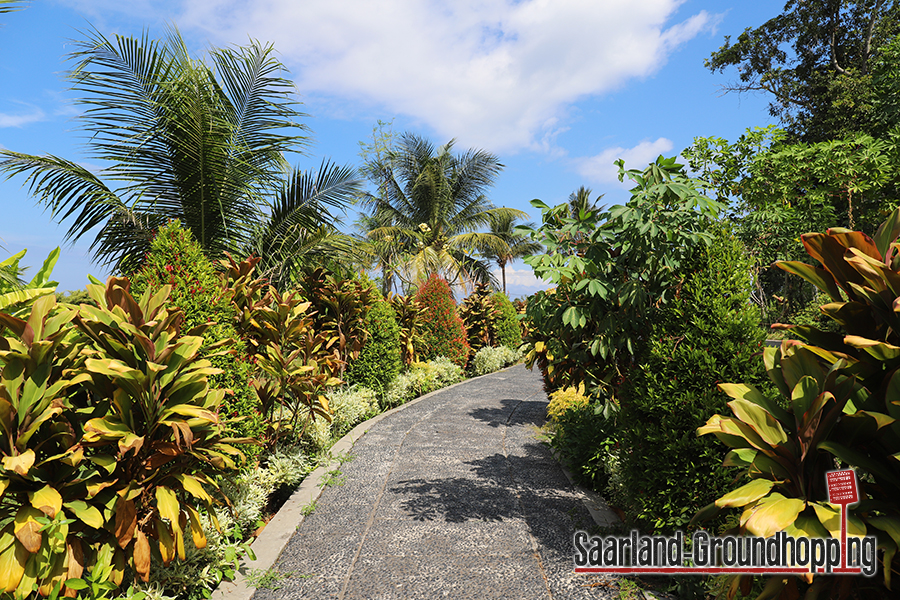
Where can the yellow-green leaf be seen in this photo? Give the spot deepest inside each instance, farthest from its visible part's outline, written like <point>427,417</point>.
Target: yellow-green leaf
<point>760,420</point>
<point>773,514</point>
<point>750,492</point>
<point>27,529</point>
<point>47,500</point>
<point>87,514</point>
<point>20,464</point>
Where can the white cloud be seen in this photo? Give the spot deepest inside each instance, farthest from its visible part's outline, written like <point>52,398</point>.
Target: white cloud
<point>521,282</point>
<point>498,74</point>
<point>600,168</point>
<point>8,120</point>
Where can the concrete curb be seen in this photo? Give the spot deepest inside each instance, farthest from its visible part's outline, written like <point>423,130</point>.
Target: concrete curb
<point>278,531</point>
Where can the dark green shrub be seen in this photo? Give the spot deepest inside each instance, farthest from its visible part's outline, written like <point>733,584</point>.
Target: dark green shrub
<point>581,435</point>
<point>379,361</point>
<point>507,330</point>
<point>442,332</point>
<point>176,259</point>
<point>709,334</point>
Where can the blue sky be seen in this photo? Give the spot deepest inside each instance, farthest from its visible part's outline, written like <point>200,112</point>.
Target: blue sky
<point>558,89</point>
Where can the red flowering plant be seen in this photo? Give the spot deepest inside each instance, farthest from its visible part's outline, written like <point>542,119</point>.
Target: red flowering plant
<point>443,332</point>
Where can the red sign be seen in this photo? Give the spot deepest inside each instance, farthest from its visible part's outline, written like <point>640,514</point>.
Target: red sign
<point>842,487</point>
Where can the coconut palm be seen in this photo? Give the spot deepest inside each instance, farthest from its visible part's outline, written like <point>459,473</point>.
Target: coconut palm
<point>202,143</point>
<point>432,204</point>
<point>517,244</point>
<point>580,200</point>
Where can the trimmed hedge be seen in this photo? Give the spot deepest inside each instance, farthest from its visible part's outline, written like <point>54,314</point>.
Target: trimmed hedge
<point>379,360</point>
<point>507,330</point>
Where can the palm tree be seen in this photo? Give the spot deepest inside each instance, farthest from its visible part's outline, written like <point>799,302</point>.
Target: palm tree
<point>517,244</point>
<point>580,200</point>
<point>430,206</point>
<point>184,140</point>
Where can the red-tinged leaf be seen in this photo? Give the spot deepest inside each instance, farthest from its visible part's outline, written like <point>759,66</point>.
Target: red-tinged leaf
<point>141,555</point>
<point>126,522</point>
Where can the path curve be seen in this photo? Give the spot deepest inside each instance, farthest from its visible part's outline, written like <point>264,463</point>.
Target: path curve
<point>452,497</point>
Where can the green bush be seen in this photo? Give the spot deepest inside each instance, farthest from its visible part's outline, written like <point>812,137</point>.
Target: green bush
<point>582,436</point>
<point>176,259</point>
<point>379,360</point>
<point>479,314</point>
<point>421,379</point>
<point>507,330</point>
<point>350,406</point>
<point>710,333</point>
<point>490,359</point>
<point>442,332</point>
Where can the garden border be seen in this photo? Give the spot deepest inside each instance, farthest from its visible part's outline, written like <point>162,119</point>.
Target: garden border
<point>269,545</point>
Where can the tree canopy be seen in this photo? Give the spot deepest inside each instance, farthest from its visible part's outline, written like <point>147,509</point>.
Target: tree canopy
<point>816,60</point>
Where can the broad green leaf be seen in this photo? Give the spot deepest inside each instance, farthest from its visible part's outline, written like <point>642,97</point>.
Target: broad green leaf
<point>887,233</point>
<point>740,457</point>
<point>741,391</point>
<point>806,525</point>
<point>87,514</point>
<point>890,525</point>
<point>747,493</point>
<point>817,276</point>
<point>880,350</point>
<point>762,422</point>
<point>830,517</point>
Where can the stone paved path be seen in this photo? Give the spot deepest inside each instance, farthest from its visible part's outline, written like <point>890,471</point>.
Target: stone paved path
<point>453,497</point>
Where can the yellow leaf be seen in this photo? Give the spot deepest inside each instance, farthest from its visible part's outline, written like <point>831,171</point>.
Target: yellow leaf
<point>47,500</point>
<point>196,527</point>
<point>773,514</point>
<point>750,492</point>
<point>27,529</point>
<point>12,567</point>
<point>166,543</point>
<point>20,464</point>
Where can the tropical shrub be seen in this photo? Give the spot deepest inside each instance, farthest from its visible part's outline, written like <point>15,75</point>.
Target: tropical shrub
<point>340,306</point>
<point>379,361</point>
<point>834,405</point>
<point>479,314</point>
<point>16,296</point>
<point>410,316</point>
<point>112,438</point>
<point>564,399</point>
<point>611,270</point>
<point>422,378</point>
<point>582,435</point>
<point>175,259</point>
<point>507,328</point>
<point>350,406</point>
<point>708,333</point>
<point>490,359</point>
<point>442,333</point>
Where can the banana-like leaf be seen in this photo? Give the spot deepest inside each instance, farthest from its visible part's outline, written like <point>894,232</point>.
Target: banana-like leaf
<point>746,494</point>
<point>773,514</point>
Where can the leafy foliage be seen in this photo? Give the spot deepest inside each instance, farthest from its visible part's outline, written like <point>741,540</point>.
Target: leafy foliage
<point>111,435</point>
<point>490,359</point>
<point>175,259</point>
<point>710,332</point>
<point>479,315</point>
<point>507,329</point>
<point>379,361</point>
<point>15,295</point>
<point>430,206</point>
<point>443,332</point>
<point>815,60</point>
<point>410,316</point>
<point>183,139</point>
<point>612,269</point>
<point>422,378</point>
<point>836,407</point>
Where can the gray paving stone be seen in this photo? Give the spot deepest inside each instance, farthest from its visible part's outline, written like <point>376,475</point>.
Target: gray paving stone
<point>453,497</point>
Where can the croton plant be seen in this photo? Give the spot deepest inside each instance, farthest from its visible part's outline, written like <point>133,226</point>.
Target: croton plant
<point>835,403</point>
